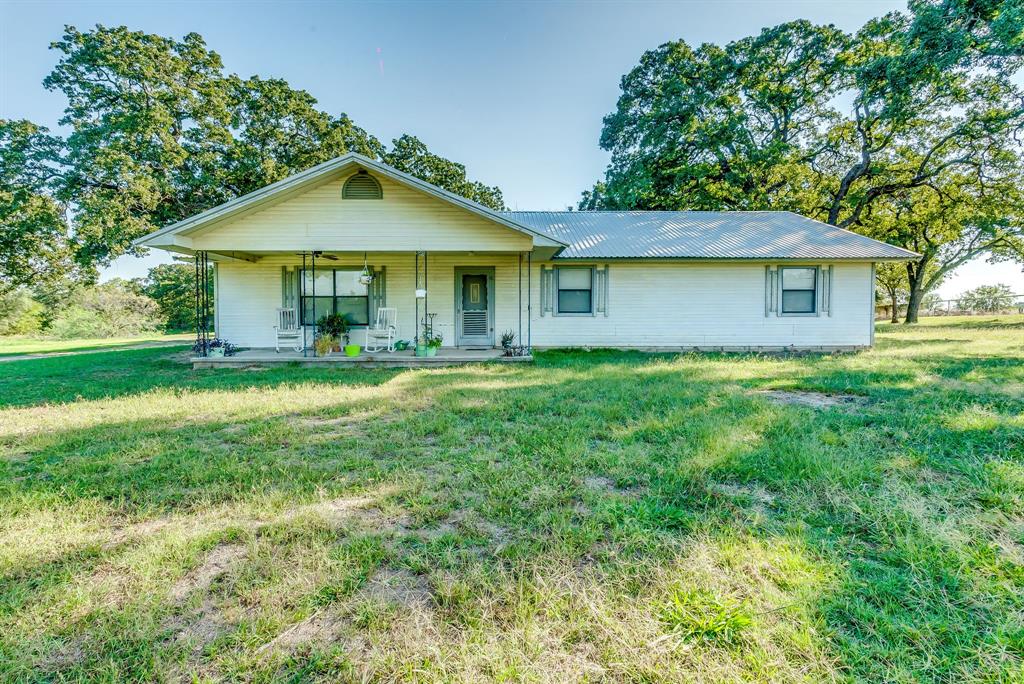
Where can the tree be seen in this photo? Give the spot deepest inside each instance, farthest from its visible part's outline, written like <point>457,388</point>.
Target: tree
<point>34,232</point>
<point>159,132</point>
<point>931,133</point>
<point>410,155</point>
<point>892,280</point>
<point>988,298</point>
<point>172,287</point>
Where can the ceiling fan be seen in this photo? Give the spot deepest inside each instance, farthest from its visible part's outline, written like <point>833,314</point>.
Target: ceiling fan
<point>321,255</point>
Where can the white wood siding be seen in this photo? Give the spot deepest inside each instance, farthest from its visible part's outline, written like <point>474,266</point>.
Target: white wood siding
<point>319,219</point>
<point>651,304</point>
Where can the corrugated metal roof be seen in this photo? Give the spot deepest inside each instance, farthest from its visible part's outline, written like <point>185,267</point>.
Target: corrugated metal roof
<point>701,235</point>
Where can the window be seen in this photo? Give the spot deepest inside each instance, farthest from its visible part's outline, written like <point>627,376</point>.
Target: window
<point>799,293</point>
<point>575,290</point>
<point>337,291</point>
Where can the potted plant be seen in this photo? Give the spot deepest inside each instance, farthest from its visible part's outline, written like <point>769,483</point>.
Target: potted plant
<point>338,327</point>
<point>218,348</point>
<point>434,343</point>
<point>507,338</point>
<point>323,345</point>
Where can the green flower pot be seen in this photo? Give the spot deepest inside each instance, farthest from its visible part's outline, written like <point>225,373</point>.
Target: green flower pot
<point>352,349</point>
<point>421,350</point>
<point>431,351</point>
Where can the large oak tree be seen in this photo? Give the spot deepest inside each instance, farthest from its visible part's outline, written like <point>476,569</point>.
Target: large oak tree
<point>907,130</point>
<point>159,132</point>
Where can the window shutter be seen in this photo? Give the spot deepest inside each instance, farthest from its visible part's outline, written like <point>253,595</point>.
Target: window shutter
<point>771,291</point>
<point>827,291</point>
<point>601,290</point>
<point>289,288</point>
<point>378,292</point>
<point>547,293</point>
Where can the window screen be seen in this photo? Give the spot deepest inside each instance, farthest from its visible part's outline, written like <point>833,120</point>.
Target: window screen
<point>798,290</point>
<point>575,290</point>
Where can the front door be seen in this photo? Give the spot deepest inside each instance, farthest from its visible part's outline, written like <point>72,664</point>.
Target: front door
<point>474,307</point>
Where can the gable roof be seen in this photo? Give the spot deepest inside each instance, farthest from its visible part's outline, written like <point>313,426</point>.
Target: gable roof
<point>702,235</point>
<point>316,174</point>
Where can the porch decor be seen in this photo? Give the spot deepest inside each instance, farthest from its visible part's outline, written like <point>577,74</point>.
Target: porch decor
<point>383,330</point>
<point>287,329</point>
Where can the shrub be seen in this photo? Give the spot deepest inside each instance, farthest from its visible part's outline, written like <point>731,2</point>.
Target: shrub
<point>20,314</point>
<point>113,309</point>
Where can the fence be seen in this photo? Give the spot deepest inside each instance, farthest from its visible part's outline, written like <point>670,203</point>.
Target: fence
<point>1013,304</point>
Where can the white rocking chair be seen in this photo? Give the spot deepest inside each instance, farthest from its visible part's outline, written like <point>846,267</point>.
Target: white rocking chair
<point>384,330</point>
<point>287,328</point>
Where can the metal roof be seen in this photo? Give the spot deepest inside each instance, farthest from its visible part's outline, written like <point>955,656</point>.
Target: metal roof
<point>702,235</point>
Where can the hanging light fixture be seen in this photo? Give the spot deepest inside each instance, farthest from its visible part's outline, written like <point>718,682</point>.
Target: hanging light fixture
<point>365,278</point>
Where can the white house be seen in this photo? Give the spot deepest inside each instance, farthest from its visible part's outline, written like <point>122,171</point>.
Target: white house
<point>652,280</point>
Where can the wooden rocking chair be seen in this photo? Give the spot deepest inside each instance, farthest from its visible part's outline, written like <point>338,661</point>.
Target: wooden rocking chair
<point>287,328</point>
<point>384,330</point>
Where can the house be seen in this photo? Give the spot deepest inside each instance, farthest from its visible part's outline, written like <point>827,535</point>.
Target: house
<point>638,279</point>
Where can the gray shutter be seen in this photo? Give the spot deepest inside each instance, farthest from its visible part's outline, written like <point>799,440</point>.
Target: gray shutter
<point>601,290</point>
<point>378,292</point>
<point>547,294</point>
<point>771,290</point>
<point>828,290</point>
<point>289,288</point>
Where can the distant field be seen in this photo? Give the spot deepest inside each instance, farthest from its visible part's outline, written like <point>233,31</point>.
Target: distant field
<point>36,345</point>
<point>601,516</point>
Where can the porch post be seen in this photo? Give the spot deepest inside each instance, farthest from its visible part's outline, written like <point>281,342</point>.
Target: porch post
<point>202,303</point>
<point>415,297</point>
<point>426,294</point>
<point>529,301</point>
<point>312,268</point>
<point>520,333</point>
<point>302,304</point>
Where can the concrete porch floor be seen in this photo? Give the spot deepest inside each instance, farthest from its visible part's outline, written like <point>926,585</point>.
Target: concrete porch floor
<point>446,356</point>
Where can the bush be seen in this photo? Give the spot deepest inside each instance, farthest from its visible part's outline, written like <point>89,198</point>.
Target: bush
<point>113,309</point>
<point>20,314</point>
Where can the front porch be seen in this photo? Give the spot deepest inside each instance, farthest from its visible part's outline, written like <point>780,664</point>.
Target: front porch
<point>446,356</point>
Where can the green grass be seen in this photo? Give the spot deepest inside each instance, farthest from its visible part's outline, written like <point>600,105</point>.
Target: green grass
<point>19,344</point>
<point>593,516</point>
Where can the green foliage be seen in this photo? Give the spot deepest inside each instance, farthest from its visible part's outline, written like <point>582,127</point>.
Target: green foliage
<point>335,326</point>
<point>114,309</point>
<point>160,133</point>
<point>410,155</point>
<point>926,155</point>
<point>988,298</point>
<point>172,287</point>
<point>699,615</point>
<point>20,314</point>
<point>34,234</point>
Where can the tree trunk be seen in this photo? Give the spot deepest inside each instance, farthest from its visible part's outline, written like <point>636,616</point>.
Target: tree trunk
<point>915,274</point>
<point>895,318</point>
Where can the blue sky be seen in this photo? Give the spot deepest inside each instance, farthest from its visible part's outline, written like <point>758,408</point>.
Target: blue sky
<point>515,91</point>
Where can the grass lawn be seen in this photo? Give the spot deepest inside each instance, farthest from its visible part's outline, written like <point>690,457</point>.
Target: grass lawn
<point>17,345</point>
<point>593,516</point>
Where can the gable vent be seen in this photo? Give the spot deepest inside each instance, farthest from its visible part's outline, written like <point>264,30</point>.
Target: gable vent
<point>362,186</point>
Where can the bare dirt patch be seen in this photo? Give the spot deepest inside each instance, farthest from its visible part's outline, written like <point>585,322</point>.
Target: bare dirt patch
<point>216,564</point>
<point>818,400</point>
<point>760,498</point>
<point>598,483</point>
